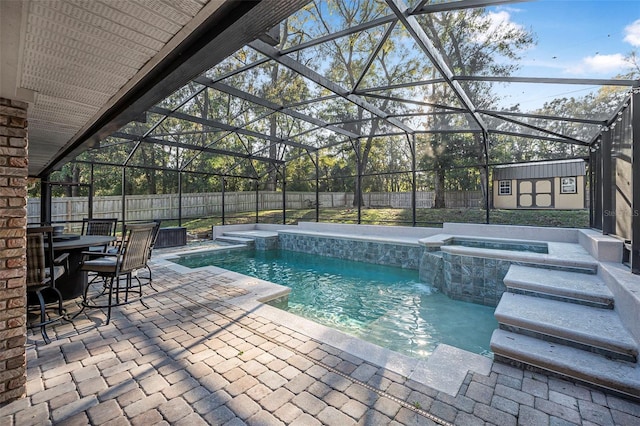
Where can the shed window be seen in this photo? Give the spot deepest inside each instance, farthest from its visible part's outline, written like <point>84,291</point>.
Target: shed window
<point>568,185</point>
<point>504,187</point>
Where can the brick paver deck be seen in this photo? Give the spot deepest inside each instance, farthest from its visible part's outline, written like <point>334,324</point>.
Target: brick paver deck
<point>192,358</point>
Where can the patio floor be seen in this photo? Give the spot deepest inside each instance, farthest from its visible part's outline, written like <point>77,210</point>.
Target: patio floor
<point>194,357</point>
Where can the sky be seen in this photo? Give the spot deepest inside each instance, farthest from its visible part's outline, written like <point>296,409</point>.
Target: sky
<point>575,39</point>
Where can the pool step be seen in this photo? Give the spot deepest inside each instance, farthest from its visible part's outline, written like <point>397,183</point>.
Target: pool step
<point>584,327</point>
<point>573,287</point>
<point>615,375</point>
<point>236,240</point>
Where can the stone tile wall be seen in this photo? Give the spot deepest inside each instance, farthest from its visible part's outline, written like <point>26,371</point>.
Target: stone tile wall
<point>404,256</point>
<point>266,243</point>
<point>13,222</point>
<point>474,279</point>
<point>431,268</point>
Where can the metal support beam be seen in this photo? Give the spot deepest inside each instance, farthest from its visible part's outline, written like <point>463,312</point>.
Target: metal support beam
<point>124,195</point>
<point>257,201</point>
<point>224,126</point>
<point>274,106</point>
<point>608,193</point>
<point>195,148</point>
<point>542,117</point>
<point>167,169</point>
<point>412,147</point>
<point>372,56</point>
<point>358,192</point>
<point>224,184</point>
<point>595,193</point>
<point>317,78</point>
<point>464,4</point>
<point>91,192</point>
<point>438,61</point>
<point>537,137</point>
<point>635,184</point>
<point>338,34</point>
<point>317,163</point>
<point>539,80</point>
<point>179,198</point>
<point>45,201</point>
<point>284,194</point>
<point>485,145</point>
<point>541,129</point>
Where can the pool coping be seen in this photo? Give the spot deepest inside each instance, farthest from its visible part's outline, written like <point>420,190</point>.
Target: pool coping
<point>444,370</point>
<point>558,253</point>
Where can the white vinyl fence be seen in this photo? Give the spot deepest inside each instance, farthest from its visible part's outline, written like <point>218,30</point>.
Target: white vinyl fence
<point>148,207</point>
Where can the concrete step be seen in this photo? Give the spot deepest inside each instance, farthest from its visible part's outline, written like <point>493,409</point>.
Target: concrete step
<point>235,240</point>
<point>614,375</point>
<point>573,287</point>
<point>584,327</point>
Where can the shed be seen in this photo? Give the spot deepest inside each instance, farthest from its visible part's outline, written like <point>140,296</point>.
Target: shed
<point>540,185</point>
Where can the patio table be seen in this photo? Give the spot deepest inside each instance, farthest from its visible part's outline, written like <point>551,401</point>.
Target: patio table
<point>73,284</point>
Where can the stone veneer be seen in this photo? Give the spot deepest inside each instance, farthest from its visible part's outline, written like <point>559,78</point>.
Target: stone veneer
<point>468,278</point>
<point>13,221</point>
<point>362,250</point>
<point>266,243</point>
<point>474,279</point>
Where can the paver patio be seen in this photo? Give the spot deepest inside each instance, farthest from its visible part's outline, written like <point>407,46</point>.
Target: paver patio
<point>193,357</point>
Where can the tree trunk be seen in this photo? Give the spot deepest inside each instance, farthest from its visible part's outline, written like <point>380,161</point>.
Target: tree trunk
<point>151,174</point>
<point>439,202</point>
<point>272,177</point>
<point>483,186</point>
<point>483,170</point>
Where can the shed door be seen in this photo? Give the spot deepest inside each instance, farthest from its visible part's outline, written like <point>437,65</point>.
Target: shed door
<point>535,193</point>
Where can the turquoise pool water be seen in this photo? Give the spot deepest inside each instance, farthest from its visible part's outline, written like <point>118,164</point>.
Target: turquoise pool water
<point>384,305</point>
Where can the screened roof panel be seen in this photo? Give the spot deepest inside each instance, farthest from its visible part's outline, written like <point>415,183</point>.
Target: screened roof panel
<point>443,121</point>
<point>519,149</point>
<point>398,61</point>
<point>149,121</point>
<point>557,99</point>
<point>584,131</point>
<point>112,150</point>
<point>319,138</point>
<point>272,82</point>
<point>425,95</point>
<point>348,56</point>
<point>341,70</point>
<point>571,135</point>
<point>321,18</point>
<point>244,57</point>
<point>183,95</point>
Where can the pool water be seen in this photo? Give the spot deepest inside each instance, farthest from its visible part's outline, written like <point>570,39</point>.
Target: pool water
<point>384,305</point>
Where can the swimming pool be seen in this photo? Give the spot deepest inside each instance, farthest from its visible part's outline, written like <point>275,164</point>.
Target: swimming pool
<point>384,305</point>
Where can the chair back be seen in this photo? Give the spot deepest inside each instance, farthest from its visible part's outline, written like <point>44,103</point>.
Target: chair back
<point>135,248</point>
<point>99,226</point>
<point>39,255</point>
<point>154,236</point>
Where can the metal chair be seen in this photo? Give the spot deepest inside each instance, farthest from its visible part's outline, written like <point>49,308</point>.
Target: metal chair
<point>132,255</point>
<point>154,238</point>
<point>42,272</point>
<point>100,226</point>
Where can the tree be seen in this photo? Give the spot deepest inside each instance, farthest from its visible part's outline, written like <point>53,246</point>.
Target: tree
<point>471,43</point>
<point>343,60</point>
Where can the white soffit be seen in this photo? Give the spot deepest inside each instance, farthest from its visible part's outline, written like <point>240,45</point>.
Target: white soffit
<point>77,55</point>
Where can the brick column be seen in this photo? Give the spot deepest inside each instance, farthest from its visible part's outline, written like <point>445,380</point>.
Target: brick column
<point>13,222</point>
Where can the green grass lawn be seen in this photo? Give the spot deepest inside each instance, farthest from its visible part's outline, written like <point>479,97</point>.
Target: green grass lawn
<point>387,216</point>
